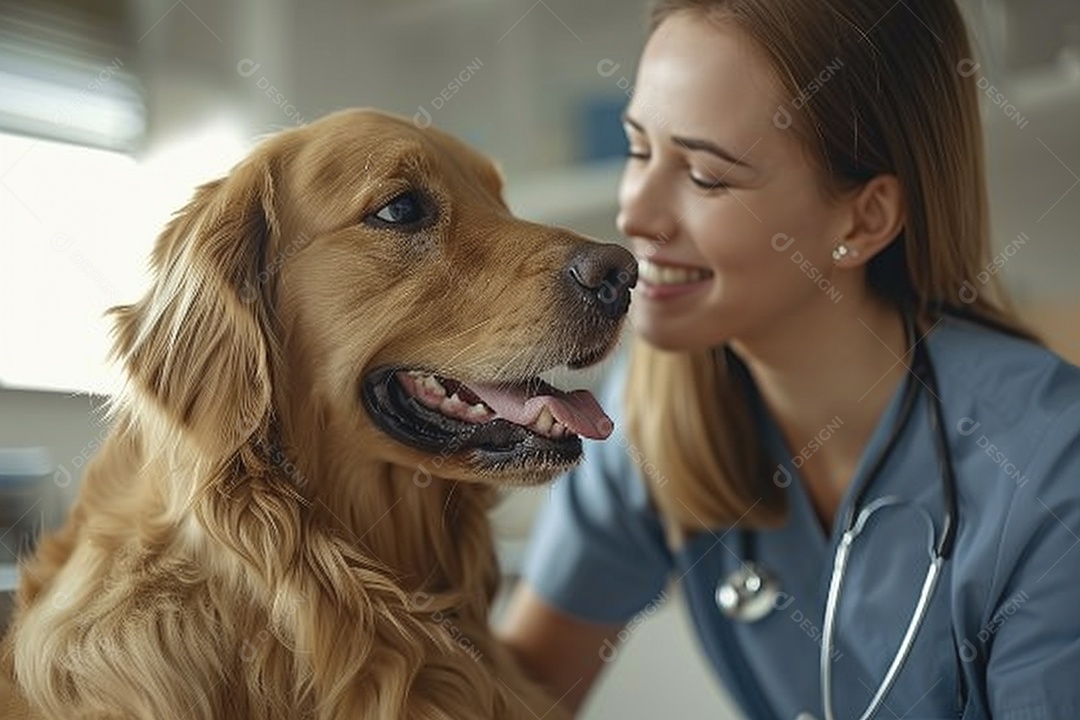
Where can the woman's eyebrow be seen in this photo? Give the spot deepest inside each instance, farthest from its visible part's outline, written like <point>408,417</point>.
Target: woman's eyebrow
<point>711,148</point>
<point>695,144</point>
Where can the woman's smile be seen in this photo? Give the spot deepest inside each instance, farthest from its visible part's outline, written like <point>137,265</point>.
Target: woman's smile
<point>662,280</point>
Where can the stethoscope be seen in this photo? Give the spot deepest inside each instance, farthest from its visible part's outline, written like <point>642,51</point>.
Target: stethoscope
<point>751,592</point>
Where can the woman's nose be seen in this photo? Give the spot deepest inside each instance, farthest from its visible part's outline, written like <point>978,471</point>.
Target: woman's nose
<point>645,209</point>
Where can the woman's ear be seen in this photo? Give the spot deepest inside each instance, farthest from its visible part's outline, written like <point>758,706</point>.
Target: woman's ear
<point>196,344</point>
<point>876,218</point>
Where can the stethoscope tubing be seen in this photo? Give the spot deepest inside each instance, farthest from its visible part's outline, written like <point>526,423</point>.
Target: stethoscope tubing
<point>918,615</point>
<point>921,373</point>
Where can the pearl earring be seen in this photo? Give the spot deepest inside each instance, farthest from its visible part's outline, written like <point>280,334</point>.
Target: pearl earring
<point>841,251</point>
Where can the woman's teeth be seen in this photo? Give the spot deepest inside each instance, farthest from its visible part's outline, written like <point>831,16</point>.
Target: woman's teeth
<point>655,274</point>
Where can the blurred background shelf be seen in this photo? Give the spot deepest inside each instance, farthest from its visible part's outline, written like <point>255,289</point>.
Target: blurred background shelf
<point>576,195</point>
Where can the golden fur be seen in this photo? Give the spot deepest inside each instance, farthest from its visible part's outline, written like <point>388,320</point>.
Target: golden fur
<point>247,544</point>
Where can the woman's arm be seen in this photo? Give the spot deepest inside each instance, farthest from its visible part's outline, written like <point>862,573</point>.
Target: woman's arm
<point>560,652</point>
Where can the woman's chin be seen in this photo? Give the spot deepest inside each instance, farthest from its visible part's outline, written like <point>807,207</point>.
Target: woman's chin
<point>674,334</point>
<point>663,336</point>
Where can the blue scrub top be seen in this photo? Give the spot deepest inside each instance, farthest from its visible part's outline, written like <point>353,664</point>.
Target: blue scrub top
<point>1003,629</point>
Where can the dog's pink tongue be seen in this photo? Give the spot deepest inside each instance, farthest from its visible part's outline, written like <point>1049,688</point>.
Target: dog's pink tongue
<point>522,404</point>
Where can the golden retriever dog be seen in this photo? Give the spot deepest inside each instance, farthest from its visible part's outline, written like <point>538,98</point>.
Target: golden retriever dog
<point>333,372</point>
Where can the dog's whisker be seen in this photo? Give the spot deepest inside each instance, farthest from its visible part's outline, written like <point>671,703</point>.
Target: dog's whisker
<point>446,503</point>
<point>450,338</point>
<point>508,363</point>
<point>463,351</point>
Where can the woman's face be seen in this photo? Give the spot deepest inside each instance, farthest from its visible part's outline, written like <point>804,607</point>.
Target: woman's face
<point>727,217</point>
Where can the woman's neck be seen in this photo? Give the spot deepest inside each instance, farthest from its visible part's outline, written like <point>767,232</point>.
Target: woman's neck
<point>826,378</point>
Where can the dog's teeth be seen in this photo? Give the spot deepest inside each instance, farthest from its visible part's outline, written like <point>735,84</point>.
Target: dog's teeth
<point>544,421</point>
<point>452,405</point>
<point>434,386</point>
<point>477,411</point>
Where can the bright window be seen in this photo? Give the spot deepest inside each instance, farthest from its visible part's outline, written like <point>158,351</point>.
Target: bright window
<point>76,229</point>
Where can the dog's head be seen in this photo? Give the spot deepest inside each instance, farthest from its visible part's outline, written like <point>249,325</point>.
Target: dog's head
<point>363,278</point>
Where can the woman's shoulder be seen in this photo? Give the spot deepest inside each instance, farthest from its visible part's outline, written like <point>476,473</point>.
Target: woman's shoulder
<point>1012,409</point>
<point>1012,382</point>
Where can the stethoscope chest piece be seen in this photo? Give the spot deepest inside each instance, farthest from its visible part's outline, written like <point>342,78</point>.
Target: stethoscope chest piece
<point>748,594</point>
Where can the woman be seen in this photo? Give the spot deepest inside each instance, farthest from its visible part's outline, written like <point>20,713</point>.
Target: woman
<point>805,194</point>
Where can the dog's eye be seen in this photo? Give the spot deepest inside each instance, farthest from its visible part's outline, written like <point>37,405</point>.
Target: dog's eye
<point>408,208</point>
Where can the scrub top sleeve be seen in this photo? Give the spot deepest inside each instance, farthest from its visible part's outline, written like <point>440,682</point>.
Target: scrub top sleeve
<point>1033,634</point>
<point>598,551</point>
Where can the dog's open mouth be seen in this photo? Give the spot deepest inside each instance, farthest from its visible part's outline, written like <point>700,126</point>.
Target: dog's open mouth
<point>501,425</point>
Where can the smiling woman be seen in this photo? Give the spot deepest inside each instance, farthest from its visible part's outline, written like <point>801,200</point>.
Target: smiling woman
<point>809,215</point>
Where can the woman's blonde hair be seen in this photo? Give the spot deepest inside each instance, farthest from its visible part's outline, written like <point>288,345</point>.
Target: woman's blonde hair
<point>873,90</point>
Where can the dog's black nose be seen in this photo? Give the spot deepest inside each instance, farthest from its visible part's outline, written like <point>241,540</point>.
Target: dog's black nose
<point>604,274</point>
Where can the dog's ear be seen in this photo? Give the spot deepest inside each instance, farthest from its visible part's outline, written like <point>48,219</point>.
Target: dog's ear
<point>197,343</point>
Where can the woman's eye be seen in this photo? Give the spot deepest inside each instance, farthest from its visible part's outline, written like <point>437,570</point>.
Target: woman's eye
<point>708,184</point>
<point>406,209</point>
<point>637,154</point>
